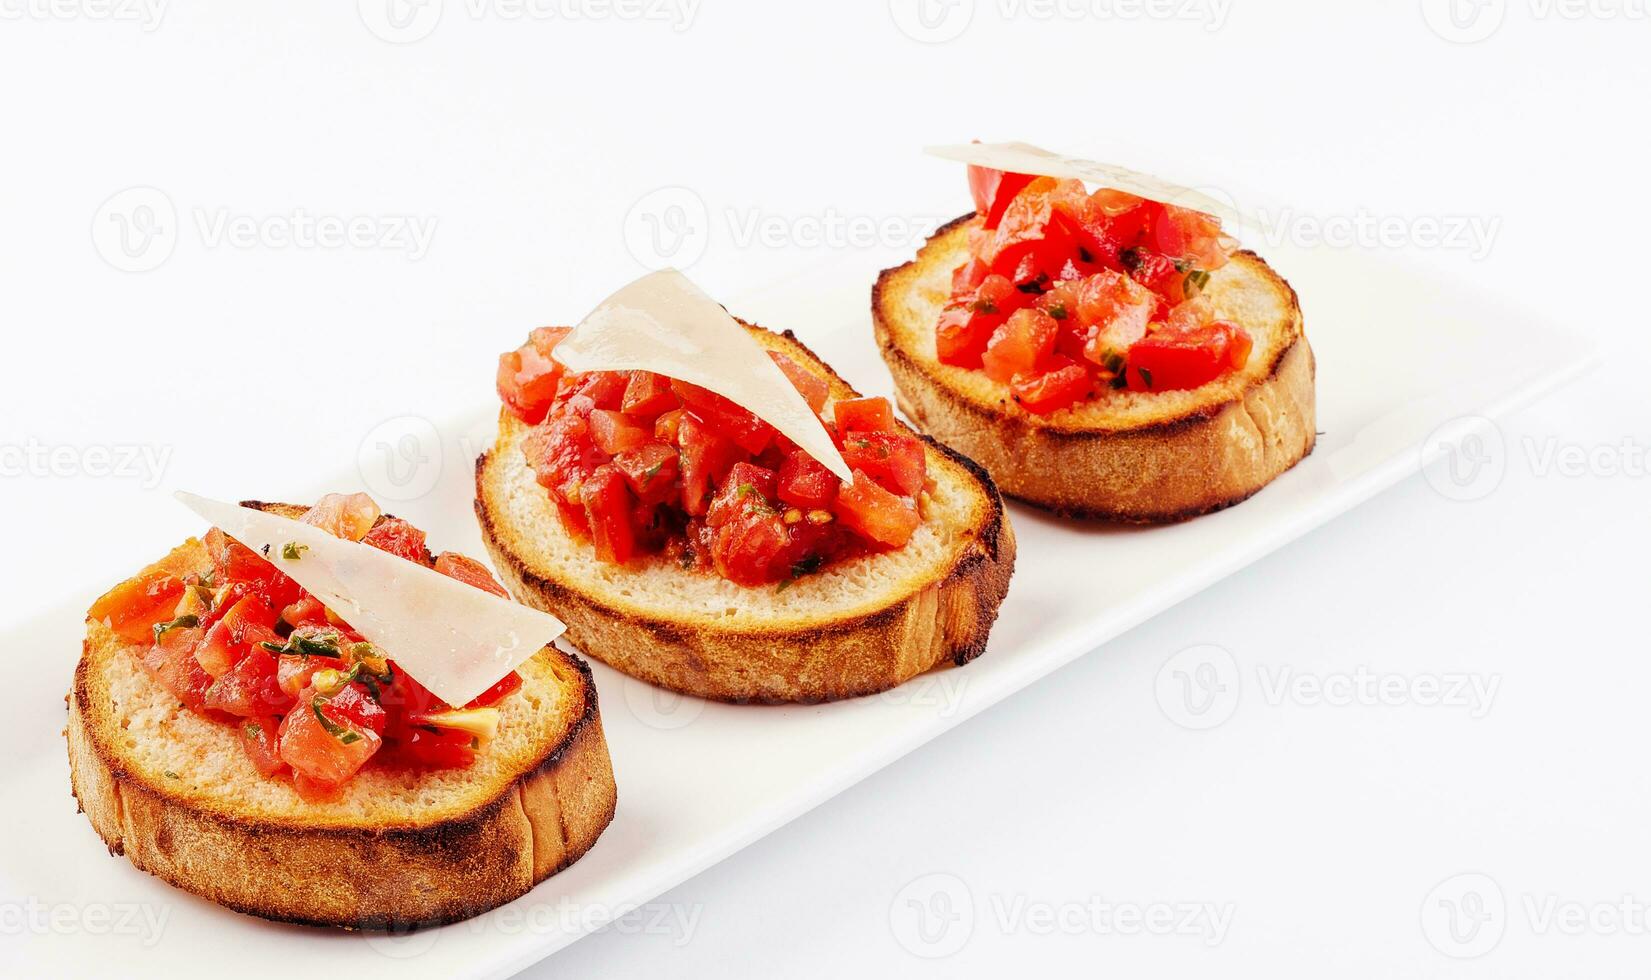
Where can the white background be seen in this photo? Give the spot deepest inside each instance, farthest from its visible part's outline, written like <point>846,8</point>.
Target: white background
<point>1321,828</point>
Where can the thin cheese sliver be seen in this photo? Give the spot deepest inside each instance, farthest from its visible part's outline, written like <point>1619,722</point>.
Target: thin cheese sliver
<point>663,323</point>
<point>453,638</point>
<point>1024,158</point>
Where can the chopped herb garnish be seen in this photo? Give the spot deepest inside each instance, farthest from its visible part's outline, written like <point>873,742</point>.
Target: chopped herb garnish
<point>252,729</point>
<point>184,622</point>
<point>1146,376</point>
<point>1058,311</point>
<point>984,306</point>
<point>1031,286</point>
<point>301,644</point>
<point>651,472</point>
<point>292,550</point>
<point>169,774</point>
<point>1114,362</point>
<point>1195,282</point>
<point>1130,259</point>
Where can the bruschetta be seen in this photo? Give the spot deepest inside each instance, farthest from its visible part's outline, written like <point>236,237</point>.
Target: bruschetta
<point>232,736</point>
<point>687,543</point>
<point>1100,354</point>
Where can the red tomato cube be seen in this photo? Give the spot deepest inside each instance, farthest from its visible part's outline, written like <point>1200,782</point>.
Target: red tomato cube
<point>133,607</point>
<point>647,394</point>
<point>399,538</point>
<point>876,514</point>
<point>320,743</point>
<point>614,432</point>
<point>261,739</point>
<point>1021,346</point>
<point>747,487</point>
<point>805,482</point>
<point>706,457</point>
<point>750,549</point>
<point>469,571</point>
<point>893,459</point>
<point>650,471</point>
<point>863,415</point>
<point>608,505</point>
<point>1054,389</point>
<point>811,386</point>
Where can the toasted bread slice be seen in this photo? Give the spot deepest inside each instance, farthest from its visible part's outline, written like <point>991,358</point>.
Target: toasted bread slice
<point>1142,457</point>
<point>857,627</point>
<point>175,792</point>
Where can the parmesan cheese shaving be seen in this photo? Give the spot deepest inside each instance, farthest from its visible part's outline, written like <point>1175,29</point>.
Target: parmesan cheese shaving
<point>663,323</point>
<point>453,638</point>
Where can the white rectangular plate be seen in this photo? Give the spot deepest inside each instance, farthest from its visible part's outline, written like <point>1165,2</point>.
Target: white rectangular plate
<point>1400,352</point>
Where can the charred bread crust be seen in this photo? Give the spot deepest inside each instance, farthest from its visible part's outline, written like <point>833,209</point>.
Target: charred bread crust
<point>944,620</point>
<point>349,875</point>
<point>1160,471</point>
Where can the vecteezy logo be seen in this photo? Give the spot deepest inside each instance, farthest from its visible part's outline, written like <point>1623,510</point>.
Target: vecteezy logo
<point>400,459</point>
<point>659,708</point>
<point>1464,21</point>
<point>400,21</point>
<point>669,226</point>
<point>1465,459</point>
<point>136,229</point>
<point>933,916</point>
<point>1465,916</point>
<point>932,21</point>
<point>1198,688</point>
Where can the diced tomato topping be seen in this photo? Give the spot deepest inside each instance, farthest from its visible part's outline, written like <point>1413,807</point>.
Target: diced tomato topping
<point>318,741</point>
<point>863,415</point>
<point>645,465</point>
<point>1169,360</point>
<point>1102,266</point>
<point>706,456</point>
<point>1057,388</point>
<point>805,482</point>
<point>748,487</point>
<point>133,607</point>
<point>252,687</point>
<point>650,471</point>
<point>875,513</point>
<point>731,421</point>
<point>750,548</point>
<point>307,611</point>
<point>233,561</point>
<point>171,661</point>
<point>647,394</point>
<point>347,516</point>
<point>225,641</point>
<point>400,538</point>
<point>261,738</point>
<point>510,684</point>
<point>993,190</point>
<point>1021,345</point>
<point>608,506</point>
<point>528,376</point>
<point>469,571</point>
<point>811,386</point>
<point>894,460</point>
<point>615,432</point>
<point>966,326</point>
